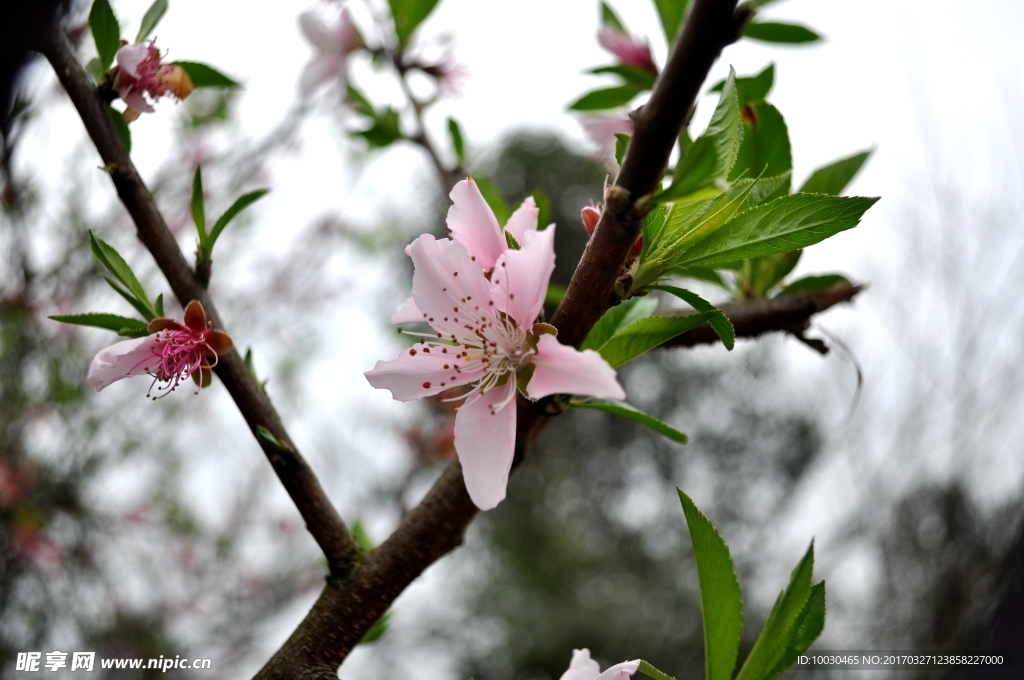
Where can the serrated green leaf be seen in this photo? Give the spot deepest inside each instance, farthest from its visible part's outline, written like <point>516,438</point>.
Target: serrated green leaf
<point>751,88</point>
<point>116,265</point>
<point>109,322</point>
<point>408,15</point>
<point>618,318</point>
<point>203,75</point>
<point>720,595</point>
<point>106,32</point>
<point>832,179</point>
<point>377,630</point>
<point>609,18</point>
<point>807,629</point>
<point>812,283</point>
<point>652,672</point>
<point>621,143</point>
<point>702,274</point>
<point>785,224</point>
<point>543,209</point>
<point>718,321</point>
<point>695,170</point>
<point>198,204</point>
<point>644,335</point>
<point>94,69</point>
<point>605,98</point>
<point>386,128</point>
<point>266,435</point>
<point>780,628</point>
<point>458,145</point>
<point>359,101</point>
<point>499,206</point>
<point>764,149</point>
<point>139,307</point>
<point>758,275</point>
<point>653,228</point>
<point>641,78</point>
<point>511,241</point>
<point>629,412</point>
<point>240,204</point>
<point>671,13</point>
<point>122,129</point>
<point>159,306</point>
<point>151,18</point>
<point>773,32</point>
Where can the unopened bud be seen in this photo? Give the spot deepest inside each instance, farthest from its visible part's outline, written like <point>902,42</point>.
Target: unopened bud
<point>130,115</point>
<point>590,216</point>
<point>177,82</point>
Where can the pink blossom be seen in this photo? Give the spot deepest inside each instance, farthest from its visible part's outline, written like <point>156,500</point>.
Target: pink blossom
<point>603,131</point>
<point>449,74</point>
<point>140,72</point>
<point>172,353</point>
<point>333,39</point>
<point>583,667</point>
<point>487,336</point>
<point>631,51</point>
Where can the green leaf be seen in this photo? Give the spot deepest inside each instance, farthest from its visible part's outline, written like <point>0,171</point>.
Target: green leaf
<point>813,283</point>
<point>159,305</point>
<point>106,32</point>
<point>93,68</point>
<point>720,596</point>
<point>759,275</point>
<point>719,322</point>
<point>116,265</point>
<point>377,630</point>
<point>499,206</point>
<point>644,335</point>
<point>785,224</point>
<point>833,178</point>
<point>780,628</point>
<point>151,18</point>
<point>408,15</point>
<point>641,78</point>
<point>621,143</point>
<point>361,536</point>
<point>203,75</point>
<point>386,128</point>
<point>652,672</point>
<point>624,410</point>
<point>764,150</point>
<point>513,244</point>
<point>618,318</point>
<point>543,209</point>
<point>671,13</point>
<point>198,204</point>
<point>359,102</point>
<point>702,274</point>
<point>807,629</point>
<point>139,307</point>
<point>459,146</point>
<point>606,98</point>
<point>267,436</point>
<point>240,204</point>
<point>123,325</point>
<point>773,32</point>
<point>609,18</point>
<point>122,129</point>
<point>751,88</point>
<point>695,170</point>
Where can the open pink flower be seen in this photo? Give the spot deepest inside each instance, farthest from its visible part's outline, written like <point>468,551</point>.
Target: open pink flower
<point>140,72</point>
<point>488,338</point>
<point>172,353</point>
<point>583,667</point>
<point>631,51</point>
<point>333,39</point>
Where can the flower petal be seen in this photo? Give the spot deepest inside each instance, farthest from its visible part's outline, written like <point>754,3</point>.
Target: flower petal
<point>408,312</point>
<point>450,288</point>
<point>485,441</point>
<point>520,279</point>
<point>130,56</point>
<point>561,369</point>
<point>420,371</point>
<point>124,359</point>
<point>218,342</point>
<point>134,99</point>
<point>524,219</point>
<point>620,671</point>
<point>473,224</point>
<point>320,70</point>
<point>582,667</point>
<point>321,33</point>
<point>195,316</point>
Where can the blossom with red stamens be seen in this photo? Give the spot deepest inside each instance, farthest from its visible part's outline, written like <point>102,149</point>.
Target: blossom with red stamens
<point>140,72</point>
<point>170,354</point>
<point>631,51</point>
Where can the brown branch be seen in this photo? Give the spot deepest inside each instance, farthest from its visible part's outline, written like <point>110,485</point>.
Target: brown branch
<point>322,520</point>
<point>790,313</point>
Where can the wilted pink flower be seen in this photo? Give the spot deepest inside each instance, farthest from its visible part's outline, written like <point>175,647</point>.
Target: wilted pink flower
<point>630,51</point>
<point>172,353</point>
<point>583,667</point>
<point>140,72</point>
<point>488,337</point>
<point>333,39</point>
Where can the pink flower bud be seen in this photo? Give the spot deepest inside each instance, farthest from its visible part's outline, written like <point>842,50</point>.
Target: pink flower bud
<point>590,215</point>
<point>631,51</point>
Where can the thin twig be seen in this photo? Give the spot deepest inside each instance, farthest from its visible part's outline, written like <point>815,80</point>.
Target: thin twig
<point>322,520</point>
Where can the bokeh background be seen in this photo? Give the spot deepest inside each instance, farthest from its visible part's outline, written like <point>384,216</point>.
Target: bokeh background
<point>138,528</point>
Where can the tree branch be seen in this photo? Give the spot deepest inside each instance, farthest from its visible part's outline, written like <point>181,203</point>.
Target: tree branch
<point>322,520</point>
